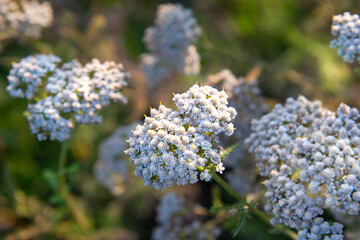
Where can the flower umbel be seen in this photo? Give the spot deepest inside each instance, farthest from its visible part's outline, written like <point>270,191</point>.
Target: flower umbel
<point>310,157</point>
<point>346,29</point>
<point>176,146</point>
<point>61,95</point>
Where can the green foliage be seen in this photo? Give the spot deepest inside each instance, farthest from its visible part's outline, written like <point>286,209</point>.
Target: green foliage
<point>237,212</point>
<point>52,178</point>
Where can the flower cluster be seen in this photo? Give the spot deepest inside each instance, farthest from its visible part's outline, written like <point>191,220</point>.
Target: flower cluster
<point>245,96</point>
<point>170,42</point>
<point>61,95</point>
<point>154,69</point>
<point>177,220</point>
<point>24,18</point>
<point>346,28</point>
<point>172,147</point>
<point>273,136</point>
<point>310,156</point>
<point>112,168</point>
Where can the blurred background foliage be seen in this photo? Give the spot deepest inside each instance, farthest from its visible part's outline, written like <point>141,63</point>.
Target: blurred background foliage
<point>288,40</point>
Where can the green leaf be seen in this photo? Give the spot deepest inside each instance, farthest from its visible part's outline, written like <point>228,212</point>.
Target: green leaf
<point>238,212</point>
<point>56,199</point>
<point>357,71</point>
<point>51,178</point>
<point>218,208</point>
<point>239,224</point>
<point>228,150</point>
<point>72,168</point>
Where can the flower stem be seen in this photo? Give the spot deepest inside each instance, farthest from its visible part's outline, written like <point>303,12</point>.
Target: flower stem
<point>66,198</point>
<point>283,229</point>
<point>225,185</point>
<point>61,171</point>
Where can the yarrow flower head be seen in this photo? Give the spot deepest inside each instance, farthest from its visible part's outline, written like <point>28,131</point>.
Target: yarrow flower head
<point>273,135</point>
<point>245,96</point>
<point>175,146</point>
<point>170,42</point>
<point>61,95</point>
<point>346,29</point>
<point>310,156</point>
<point>24,18</point>
<point>178,221</point>
<point>112,168</point>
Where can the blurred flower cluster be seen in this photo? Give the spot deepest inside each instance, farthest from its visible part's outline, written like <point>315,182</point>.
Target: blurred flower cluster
<point>24,18</point>
<point>178,220</point>
<point>112,168</point>
<point>170,43</point>
<point>61,95</point>
<point>346,29</point>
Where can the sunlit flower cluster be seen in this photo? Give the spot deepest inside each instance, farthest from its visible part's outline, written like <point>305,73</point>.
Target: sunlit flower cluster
<point>62,95</point>
<point>170,42</point>
<point>174,146</point>
<point>346,29</point>
<point>178,221</point>
<point>24,18</point>
<point>112,168</point>
<point>310,157</point>
<point>245,96</point>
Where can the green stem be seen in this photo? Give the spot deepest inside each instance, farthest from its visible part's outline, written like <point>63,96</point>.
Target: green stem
<point>8,178</point>
<point>226,186</point>
<point>63,190</point>
<point>283,229</point>
<point>61,171</point>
